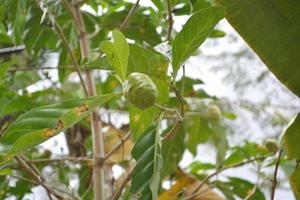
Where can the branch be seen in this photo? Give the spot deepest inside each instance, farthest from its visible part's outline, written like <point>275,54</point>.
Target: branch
<point>118,193</point>
<point>195,193</point>
<point>37,68</point>
<point>274,180</point>
<point>180,119</point>
<point>170,20</point>
<point>72,56</point>
<point>129,16</point>
<point>36,177</point>
<point>116,147</point>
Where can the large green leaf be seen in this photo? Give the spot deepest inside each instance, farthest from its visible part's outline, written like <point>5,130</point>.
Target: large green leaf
<point>144,60</point>
<point>271,28</point>
<point>292,139</point>
<point>117,53</point>
<point>193,34</point>
<point>146,175</point>
<point>40,124</point>
<point>172,151</point>
<point>295,181</point>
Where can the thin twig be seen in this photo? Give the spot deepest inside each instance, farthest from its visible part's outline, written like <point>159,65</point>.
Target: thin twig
<point>118,193</point>
<point>129,16</point>
<point>172,131</point>
<point>70,52</point>
<point>171,110</point>
<point>37,68</point>
<point>170,20</point>
<point>179,121</point>
<point>36,177</point>
<point>195,193</point>
<point>274,180</point>
<point>117,146</point>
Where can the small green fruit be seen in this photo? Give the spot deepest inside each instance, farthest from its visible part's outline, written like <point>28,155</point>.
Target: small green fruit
<point>140,90</point>
<point>213,113</point>
<point>271,145</point>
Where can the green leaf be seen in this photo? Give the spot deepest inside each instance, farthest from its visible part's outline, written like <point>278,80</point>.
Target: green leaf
<point>292,139</point>
<point>6,172</point>
<point>194,32</point>
<point>144,60</point>
<point>198,131</point>
<point>146,175</point>
<point>142,27</point>
<point>295,181</point>
<point>245,151</point>
<point>140,119</point>
<point>216,33</point>
<point>198,167</point>
<point>117,53</point>
<point>172,151</point>
<point>272,32</point>
<point>40,124</point>
<point>241,188</point>
<point>4,67</point>
<point>147,61</point>
<point>220,141</point>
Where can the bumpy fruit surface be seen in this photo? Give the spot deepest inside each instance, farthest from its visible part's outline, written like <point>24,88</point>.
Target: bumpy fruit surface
<point>214,113</point>
<point>140,90</point>
<point>271,145</point>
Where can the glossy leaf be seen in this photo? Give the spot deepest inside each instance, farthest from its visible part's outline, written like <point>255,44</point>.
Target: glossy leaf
<point>144,60</point>
<point>172,152</point>
<point>272,32</point>
<point>117,53</point>
<point>292,139</point>
<point>146,175</point>
<point>40,124</point>
<point>193,34</point>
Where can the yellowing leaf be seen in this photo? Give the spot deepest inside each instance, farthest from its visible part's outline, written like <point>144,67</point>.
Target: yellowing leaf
<point>113,137</point>
<point>188,184</point>
<point>40,124</point>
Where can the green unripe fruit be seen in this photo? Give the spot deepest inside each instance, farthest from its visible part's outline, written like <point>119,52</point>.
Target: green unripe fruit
<point>271,145</point>
<point>140,90</point>
<point>213,113</point>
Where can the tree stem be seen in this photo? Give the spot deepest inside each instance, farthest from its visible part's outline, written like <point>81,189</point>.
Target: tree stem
<point>274,180</point>
<point>98,146</point>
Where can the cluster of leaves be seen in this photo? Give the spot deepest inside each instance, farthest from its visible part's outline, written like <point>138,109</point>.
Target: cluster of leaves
<point>191,116</point>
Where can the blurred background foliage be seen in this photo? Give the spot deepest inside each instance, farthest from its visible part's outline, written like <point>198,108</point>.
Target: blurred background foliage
<point>35,70</point>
